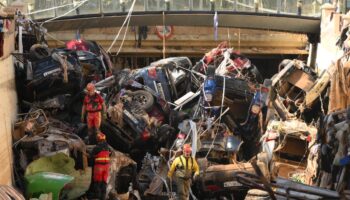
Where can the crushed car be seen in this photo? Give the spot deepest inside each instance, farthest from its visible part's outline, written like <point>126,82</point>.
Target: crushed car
<point>49,149</point>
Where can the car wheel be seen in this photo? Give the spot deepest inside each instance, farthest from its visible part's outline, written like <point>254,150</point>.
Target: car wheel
<point>144,99</point>
<point>39,51</point>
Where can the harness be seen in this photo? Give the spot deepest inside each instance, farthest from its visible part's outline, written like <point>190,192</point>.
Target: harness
<point>93,104</point>
<point>182,167</point>
<point>182,171</point>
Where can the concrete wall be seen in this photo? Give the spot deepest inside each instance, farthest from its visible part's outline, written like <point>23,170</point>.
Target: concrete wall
<point>8,108</point>
<point>331,25</point>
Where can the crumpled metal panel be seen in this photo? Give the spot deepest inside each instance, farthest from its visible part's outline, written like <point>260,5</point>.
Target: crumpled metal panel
<point>54,137</point>
<point>119,160</point>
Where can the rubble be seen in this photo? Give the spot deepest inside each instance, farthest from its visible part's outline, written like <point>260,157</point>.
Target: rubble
<point>251,137</point>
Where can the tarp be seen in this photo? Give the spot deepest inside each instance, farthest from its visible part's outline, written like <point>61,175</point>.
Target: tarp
<point>62,164</point>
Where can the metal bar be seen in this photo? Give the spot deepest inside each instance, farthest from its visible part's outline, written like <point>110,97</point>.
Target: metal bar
<point>212,5</point>
<point>54,5</point>
<point>278,8</point>
<point>256,5</point>
<point>145,3</point>
<point>167,5</point>
<point>101,9</point>
<point>299,7</point>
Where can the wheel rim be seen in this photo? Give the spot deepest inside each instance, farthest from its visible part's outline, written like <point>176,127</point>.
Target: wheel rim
<point>141,99</point>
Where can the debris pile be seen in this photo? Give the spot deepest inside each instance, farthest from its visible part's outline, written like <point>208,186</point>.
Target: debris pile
<point>246,134</point>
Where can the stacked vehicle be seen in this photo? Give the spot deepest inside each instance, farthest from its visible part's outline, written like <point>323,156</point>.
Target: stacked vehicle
<point>233,119</point>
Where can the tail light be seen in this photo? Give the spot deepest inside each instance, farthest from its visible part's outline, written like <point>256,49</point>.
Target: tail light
<point>145,135</point>
<point>213,188</point>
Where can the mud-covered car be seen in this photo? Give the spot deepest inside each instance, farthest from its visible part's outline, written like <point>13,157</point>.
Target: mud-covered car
<point>95,62</point>
<point>44,73</point>
<point>297,89</point>
<point>57,73</point>
<point>141,110</point>
<point>49,149</point>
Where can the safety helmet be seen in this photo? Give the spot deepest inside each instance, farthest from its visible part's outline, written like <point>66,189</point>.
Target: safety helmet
<point>100,137</point>
<point>90,87</point>
<point>187,150</point>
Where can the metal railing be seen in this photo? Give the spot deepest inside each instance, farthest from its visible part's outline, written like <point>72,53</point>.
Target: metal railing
<point>287,7</point>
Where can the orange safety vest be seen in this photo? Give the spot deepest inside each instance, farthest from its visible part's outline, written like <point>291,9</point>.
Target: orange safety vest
<point>102,157</point>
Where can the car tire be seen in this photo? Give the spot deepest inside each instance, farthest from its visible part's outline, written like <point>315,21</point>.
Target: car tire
<point>144,99</point>
<point>38,51</point>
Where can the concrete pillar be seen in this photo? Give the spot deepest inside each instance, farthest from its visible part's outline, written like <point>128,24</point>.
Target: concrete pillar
<point>8,107</point>
<point>327,51</point>
<point>311,60</point>
<point>346,20</point>
<point>326,11</point>
<point>256,5</point>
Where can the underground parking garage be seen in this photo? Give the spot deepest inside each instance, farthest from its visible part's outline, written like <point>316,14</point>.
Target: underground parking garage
<point>174,100</point>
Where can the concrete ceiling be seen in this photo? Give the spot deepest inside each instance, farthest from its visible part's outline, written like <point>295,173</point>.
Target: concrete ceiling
<point>273,22</point>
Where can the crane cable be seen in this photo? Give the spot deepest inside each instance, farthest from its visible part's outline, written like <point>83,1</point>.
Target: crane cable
<point>127,20</point>
<point>66,13</point>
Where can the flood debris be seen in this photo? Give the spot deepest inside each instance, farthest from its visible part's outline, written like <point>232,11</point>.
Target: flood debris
<point>276,138</point>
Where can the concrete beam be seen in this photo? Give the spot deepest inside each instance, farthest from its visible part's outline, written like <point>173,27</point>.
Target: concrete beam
<point>287,23</point>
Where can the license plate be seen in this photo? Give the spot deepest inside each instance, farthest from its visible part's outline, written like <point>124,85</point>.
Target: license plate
<point>51,72</point>
<point>232,184</point>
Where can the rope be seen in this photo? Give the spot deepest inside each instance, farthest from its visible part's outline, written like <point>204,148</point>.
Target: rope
<point>163,35</point>
<point>73,9</point>
<point>322,109</point>
<point>126,30</point>
<point>125,21</point>
<point>48,9</point>
<point>161,178</point>
<point>222,105</point>
<point>229,37</point>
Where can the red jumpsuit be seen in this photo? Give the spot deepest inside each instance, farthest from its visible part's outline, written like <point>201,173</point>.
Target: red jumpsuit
<point>101,167</point>
<point>101,158</point>
<point>93,105</point>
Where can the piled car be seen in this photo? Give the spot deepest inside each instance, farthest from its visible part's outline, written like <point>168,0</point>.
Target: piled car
<point>234,120</point>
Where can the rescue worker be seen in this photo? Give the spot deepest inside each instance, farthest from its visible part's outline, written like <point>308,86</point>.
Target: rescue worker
<point>95,108</point>
<point>101,160</point>
<point>184,167</point>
